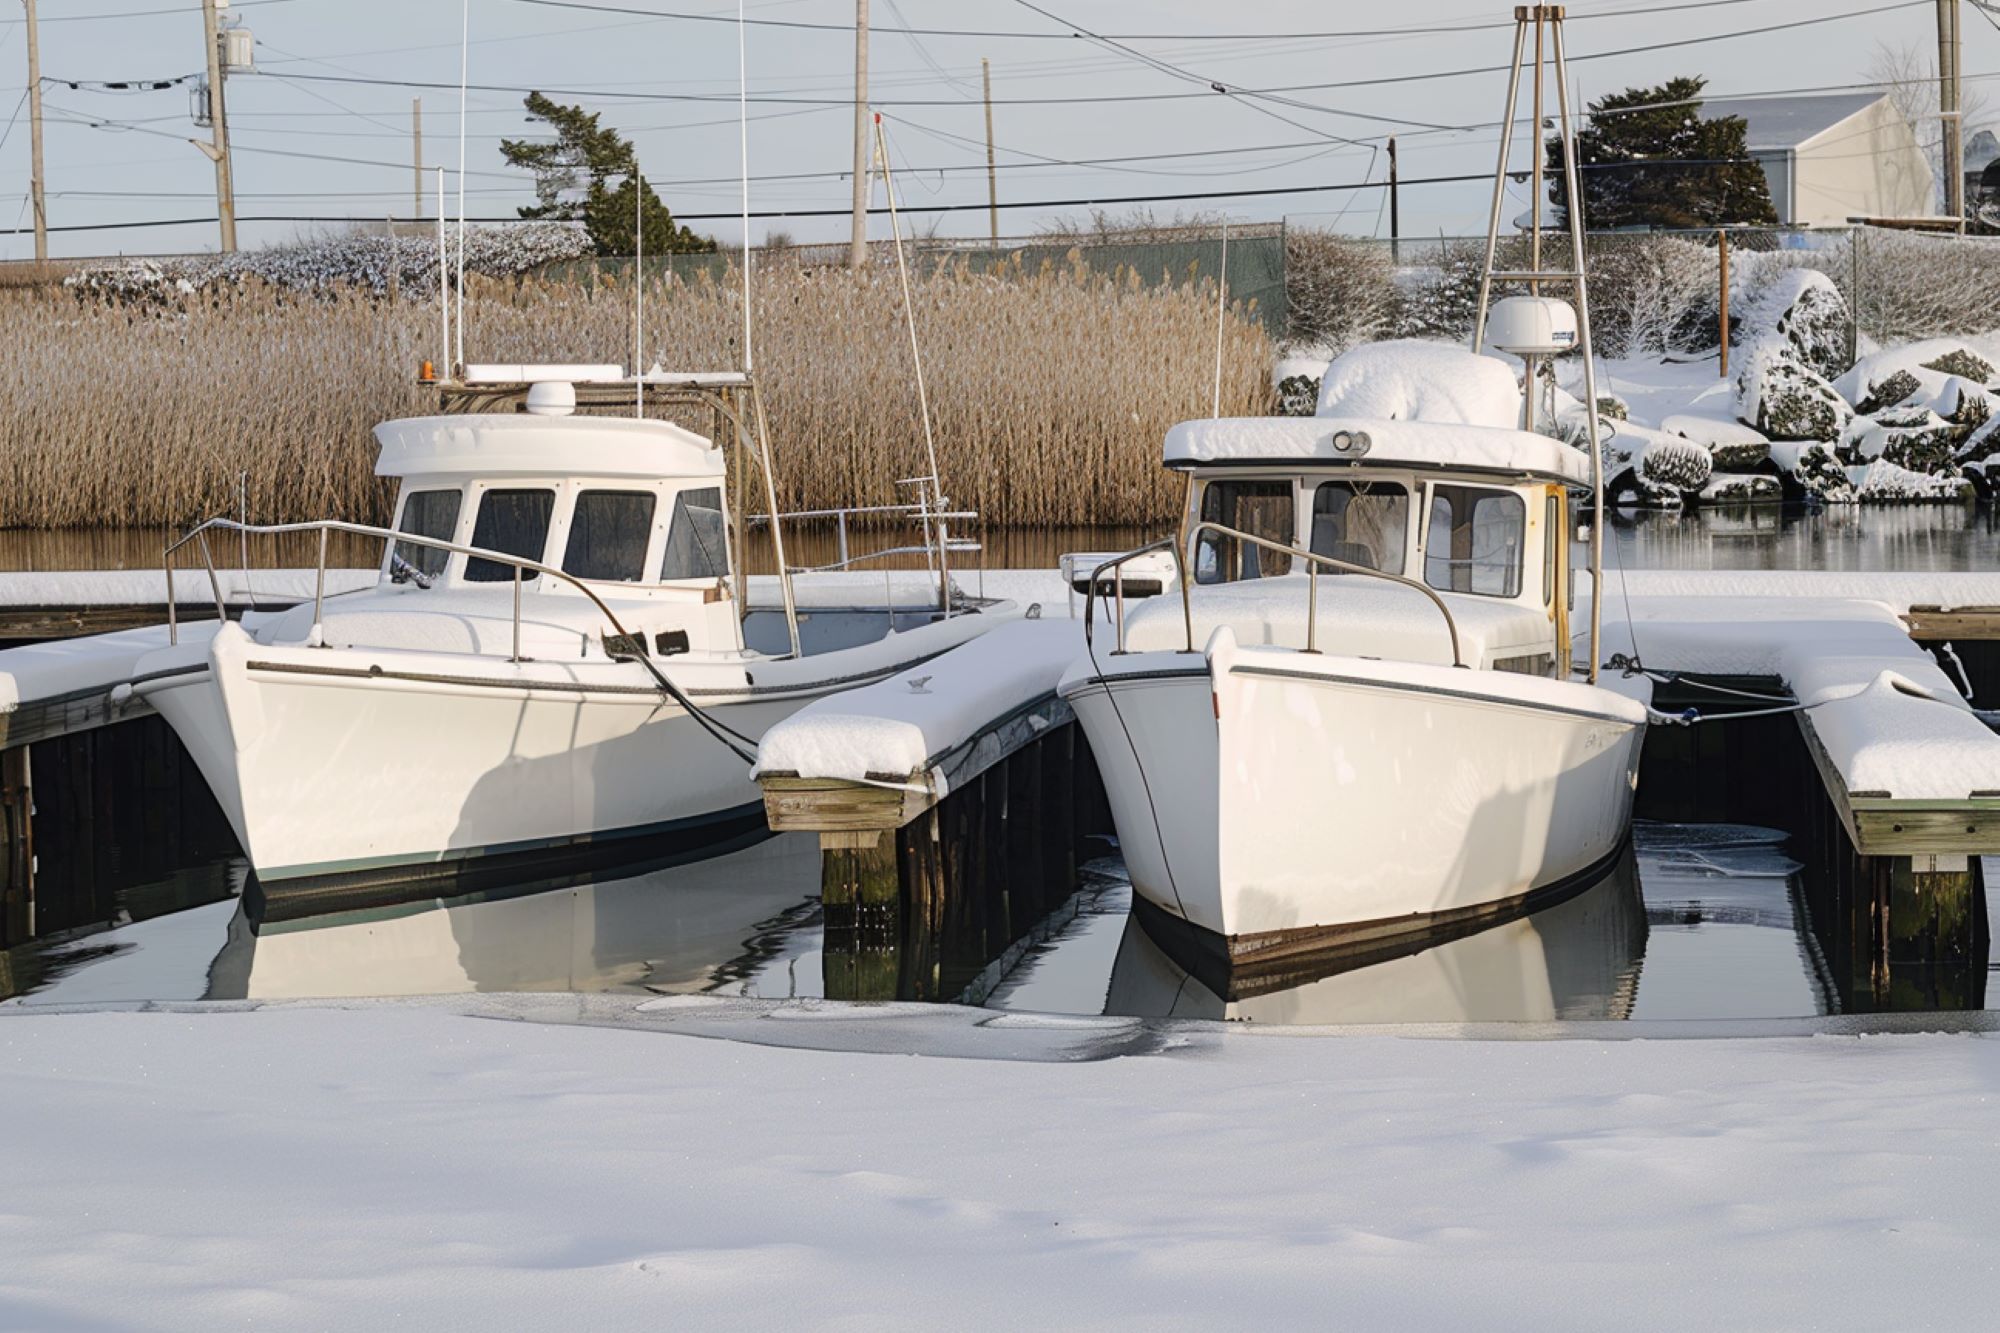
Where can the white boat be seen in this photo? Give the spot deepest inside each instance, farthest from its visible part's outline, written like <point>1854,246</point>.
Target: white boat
<point>556,660</point>
<point>1359,720</point>
<point>1297,762</point>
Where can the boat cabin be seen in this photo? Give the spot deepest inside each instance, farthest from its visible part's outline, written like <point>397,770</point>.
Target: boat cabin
<point>1474,511</point>
<point>636,504</point>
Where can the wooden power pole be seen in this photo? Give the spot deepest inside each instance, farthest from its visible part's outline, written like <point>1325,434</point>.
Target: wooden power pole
<point>857,250</point>
<point>1949,106</point>
<point>1395,210</point>
<point>417,156</point>
<point>35,137</point>
<point>992,179</point>
<point>217,147</point>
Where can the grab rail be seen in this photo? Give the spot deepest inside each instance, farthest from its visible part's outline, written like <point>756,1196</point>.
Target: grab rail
<point>921,513</point>
<point>1313,561</point>
<point>323,527</point>
<point>1117,563</point>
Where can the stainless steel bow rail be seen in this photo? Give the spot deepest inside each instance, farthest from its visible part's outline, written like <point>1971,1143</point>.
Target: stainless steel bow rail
<point>744,747</point>
<point>1313,561</point>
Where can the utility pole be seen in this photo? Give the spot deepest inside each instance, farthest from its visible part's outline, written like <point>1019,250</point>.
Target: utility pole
<point>1953,147</point>
<point>1395,210</point>
<point>218,146</point>
<point>417,156</point>
<point>35,137</point>
<point>857,250</point>
<point>992,180</point>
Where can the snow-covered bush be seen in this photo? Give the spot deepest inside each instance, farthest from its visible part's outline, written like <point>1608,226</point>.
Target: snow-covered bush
<point>1884,479</point>
<point>1440,299</point>
<point>1803,307</point>
<point>1733,445</point>
<point>1815,471</point>
<point>1964,363</point>
<point>1338,291</point>
<point>1898,387</point>
<point>1296,379</point>
<point>1740,488</point>
<point>1652,295</point>
<point>1785,399</point>
<point>345,260</point>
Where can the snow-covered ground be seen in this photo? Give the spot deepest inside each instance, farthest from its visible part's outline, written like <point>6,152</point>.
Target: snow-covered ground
<point>429,1166</point>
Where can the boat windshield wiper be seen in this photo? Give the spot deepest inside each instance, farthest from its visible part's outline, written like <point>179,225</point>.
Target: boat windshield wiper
<point>402,571</point>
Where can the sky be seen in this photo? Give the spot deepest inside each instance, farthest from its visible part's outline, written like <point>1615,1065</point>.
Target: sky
<point>322,129</point>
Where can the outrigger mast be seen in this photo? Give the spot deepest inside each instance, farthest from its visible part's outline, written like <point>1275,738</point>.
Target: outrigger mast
<point>1547,24</point>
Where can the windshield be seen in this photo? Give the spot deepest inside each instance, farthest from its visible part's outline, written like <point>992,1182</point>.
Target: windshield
<point>1361,522</point>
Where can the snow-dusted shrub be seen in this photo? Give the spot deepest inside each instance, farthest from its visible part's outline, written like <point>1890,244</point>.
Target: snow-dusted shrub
<point>1803,307</point>
<point>1733,445</point>
<point>345,260</point>
<point>1898,387</point>
<point>1815,471</point>
<point>1297,395</point>
<point>1884,479</point>
<point>1928,449</point>
<point>1785,399</point>
<point>1964,403</point>
<point>1671,461</point>
<point>1741,488</point>
<point>1611,405</point>
<point>1338,291</point>
<point>1964,363</point>
<point>1439,299</point>
<point>1651,295</point>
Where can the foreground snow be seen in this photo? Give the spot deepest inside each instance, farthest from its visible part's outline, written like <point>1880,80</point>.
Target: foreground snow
<point>316,1167</point>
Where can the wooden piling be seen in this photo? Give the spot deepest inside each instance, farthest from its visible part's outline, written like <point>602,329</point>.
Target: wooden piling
<point>17,849</point>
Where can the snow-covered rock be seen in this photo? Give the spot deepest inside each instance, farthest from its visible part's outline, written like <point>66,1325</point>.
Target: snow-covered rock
<point>1885,480</point>
<point>1741,488</point>
<point>1814,470</point>
<point>1782,397</point>
<point>1411,380</point>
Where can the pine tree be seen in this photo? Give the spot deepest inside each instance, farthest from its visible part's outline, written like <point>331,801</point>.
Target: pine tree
<point>1649,159</point>
<point>597,159</point>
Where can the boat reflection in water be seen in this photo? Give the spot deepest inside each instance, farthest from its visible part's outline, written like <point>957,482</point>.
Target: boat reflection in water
<point>714,925</point>
<point>1578,958</point>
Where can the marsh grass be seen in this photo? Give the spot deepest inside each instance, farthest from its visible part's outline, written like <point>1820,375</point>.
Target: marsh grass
<point>1050,391</point>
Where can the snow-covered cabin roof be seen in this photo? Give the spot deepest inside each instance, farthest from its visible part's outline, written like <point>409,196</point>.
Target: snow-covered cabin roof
<point>1308,441</point>
<point>1773,124</point>
<point>496,445</point>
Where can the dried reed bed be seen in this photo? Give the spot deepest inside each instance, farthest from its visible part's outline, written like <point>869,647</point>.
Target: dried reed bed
<point>1050,391</point>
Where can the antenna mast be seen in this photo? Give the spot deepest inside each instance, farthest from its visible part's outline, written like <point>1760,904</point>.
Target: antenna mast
<point>1547,22</point>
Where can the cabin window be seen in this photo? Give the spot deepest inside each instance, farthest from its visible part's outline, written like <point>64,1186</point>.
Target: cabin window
<point>608,535</point>
<point>1474,540</point>
<point>697,543</point>
<point>1362,523</point>
<point>513,523</point>
<point>1552,527</point>
<point>1260,508</point>
<point>427,514</point>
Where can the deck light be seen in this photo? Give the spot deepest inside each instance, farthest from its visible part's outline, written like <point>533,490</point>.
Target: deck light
<point>1351,443</point>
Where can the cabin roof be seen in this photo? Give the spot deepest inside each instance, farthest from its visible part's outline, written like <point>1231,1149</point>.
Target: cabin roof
<point>490,445</point>
<point>1308,441</point>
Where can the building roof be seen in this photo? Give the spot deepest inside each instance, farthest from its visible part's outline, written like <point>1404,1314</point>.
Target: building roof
<point>1776,123</point>
<point>1307,443</point>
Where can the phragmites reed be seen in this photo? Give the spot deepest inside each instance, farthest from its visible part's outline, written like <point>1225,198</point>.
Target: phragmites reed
<point>1050,391</point>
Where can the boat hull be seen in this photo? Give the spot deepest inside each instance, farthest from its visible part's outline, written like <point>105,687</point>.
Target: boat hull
<point>1281,803</point>
<point>339,781</point>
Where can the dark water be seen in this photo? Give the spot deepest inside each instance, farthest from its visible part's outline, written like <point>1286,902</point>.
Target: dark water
<point>1702,923</point>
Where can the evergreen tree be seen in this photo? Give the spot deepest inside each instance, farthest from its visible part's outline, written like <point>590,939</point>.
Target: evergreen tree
<point>1649,159</point>
<point>599,161</point>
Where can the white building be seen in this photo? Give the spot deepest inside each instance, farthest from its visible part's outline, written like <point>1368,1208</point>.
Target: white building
<point>1834,156</point>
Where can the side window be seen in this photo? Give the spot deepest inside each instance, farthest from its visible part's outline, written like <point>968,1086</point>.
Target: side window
<point>1260,508</point>
<point>697,542</point>
<point>427,514</point>
<point>608,535</point>
<point>1362,523</point>
<point>1552,544</point>
<point>513,523</point>
<point>1474,541</point>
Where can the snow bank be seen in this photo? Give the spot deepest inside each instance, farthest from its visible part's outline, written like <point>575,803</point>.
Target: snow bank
<point>1410,380</point>
<point>899,727</point>
<point>423,1165</point>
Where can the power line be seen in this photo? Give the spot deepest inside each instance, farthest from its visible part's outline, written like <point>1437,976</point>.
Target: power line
<point>149,13</point>
<point>1112,98</point>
